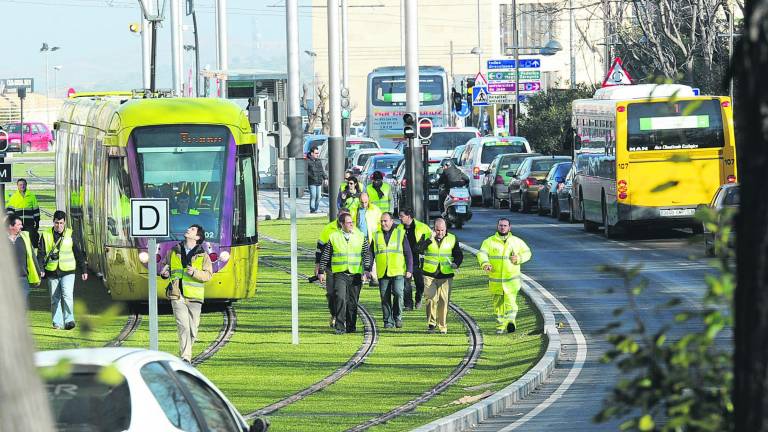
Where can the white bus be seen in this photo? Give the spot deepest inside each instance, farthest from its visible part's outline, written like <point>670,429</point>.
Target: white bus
<point>386,101</point>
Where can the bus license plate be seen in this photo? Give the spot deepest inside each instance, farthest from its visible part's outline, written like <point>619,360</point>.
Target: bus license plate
<point>433,197</point>
<point>677,212</point>
<point>461,209</point>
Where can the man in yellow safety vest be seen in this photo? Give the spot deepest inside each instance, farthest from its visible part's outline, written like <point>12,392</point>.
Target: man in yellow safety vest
<point>21,250</point>
<point>346,253</point>
<point>417,232</point>
<point>379,191</point>
<point>61,256</point>
<point>189,267</point>
<point>393,259</point>
<point>441,257</point>
<point>500,256</point>
<point>23,203</point>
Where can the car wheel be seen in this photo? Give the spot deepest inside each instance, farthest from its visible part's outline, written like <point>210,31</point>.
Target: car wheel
<point>511,203</point>
<point>571,211</point>
<point>524,206</point>
<point>486,201</point>
<point>608,231</point>
<point>495,203</point>
<point>27,147</point>
<point>540,208</point>
<point>555,206</point>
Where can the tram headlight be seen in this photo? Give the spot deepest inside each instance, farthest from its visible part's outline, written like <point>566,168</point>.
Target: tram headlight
<point>224,256</point>
<point>143,257</point>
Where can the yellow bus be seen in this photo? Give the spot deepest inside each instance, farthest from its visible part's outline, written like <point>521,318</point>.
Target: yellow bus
<point>648,155</point>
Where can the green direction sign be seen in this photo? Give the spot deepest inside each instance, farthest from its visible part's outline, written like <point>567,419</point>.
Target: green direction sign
<point>510,75</point>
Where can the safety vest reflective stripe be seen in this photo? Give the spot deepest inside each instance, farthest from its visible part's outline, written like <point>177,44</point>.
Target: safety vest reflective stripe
<point>191,212</point>
<point>66,259</point>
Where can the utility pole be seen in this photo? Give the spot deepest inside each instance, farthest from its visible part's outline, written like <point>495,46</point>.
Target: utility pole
<point>335,141</point>
<point>294,149</point>
<point>412,104</point>
<point>221,38</point>
<point>345,71</point>
<point>571,23</point>
<point>516,43</point>
<point>146,52</point>
<point>176,48</point>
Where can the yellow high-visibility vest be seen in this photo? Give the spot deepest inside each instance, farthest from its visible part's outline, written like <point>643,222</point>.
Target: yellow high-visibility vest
<point>390,258</point>
<point>66,261</point>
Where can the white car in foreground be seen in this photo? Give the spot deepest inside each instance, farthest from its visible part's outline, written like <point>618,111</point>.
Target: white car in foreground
<point>154,391</point>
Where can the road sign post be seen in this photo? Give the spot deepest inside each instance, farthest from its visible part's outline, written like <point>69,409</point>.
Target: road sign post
<point>150,219</point>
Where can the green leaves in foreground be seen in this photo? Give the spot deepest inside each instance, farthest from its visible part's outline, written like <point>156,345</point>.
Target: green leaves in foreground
<point>674,378</point>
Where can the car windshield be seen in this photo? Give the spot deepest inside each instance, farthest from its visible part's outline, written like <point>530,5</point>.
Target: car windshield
<point>562,169</point>
<point>16,127</point>
<point>353,146</point>
<point>386,164</point>
<point>732,197</point>
<point>493,149</point>
<point>390,90</point>
<point>544,164</point>
<point>449,140</point>
<point>186,165</point>
<point>511,162</point>
<point>363,158</point>
<point>83,402</point>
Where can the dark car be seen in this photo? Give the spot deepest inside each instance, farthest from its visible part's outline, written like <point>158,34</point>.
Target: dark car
<point>401,184</point>
<point>553,183</point>
<point>498,175</point>
<point>565,201</point>
<point>726,204</point>
<point>524,187</point>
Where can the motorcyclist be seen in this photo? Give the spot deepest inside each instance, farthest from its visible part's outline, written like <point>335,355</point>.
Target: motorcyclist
<point>451,176</point>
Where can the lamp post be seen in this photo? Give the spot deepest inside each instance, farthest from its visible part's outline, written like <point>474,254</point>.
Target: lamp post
<point>45,49</point>
<point>56,69</point>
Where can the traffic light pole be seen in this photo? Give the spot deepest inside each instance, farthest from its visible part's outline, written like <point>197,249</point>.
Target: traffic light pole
<point>412,105</point>
<point>335,141</point>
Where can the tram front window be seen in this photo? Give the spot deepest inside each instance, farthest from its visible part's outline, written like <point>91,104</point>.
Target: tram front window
<point>185,164</point>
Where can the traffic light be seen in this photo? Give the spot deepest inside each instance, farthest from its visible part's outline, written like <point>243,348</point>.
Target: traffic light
<point>409,131</point>
<point>425,128</point>
<point>456,98</point>
<point>470,84</point>
<point>345,103</point>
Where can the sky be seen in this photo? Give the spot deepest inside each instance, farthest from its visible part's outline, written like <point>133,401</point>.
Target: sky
<point>99,53</point>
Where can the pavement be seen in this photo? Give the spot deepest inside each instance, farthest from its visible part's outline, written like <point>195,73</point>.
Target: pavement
<point>269,205</point>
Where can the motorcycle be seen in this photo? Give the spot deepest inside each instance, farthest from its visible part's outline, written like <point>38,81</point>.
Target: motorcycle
<point>457,207</point>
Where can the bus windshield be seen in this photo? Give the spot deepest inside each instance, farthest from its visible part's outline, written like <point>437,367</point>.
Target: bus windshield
<point>449,140</point>
<point>674,125</point>
<point>390,90</point>
<point>186,165</point>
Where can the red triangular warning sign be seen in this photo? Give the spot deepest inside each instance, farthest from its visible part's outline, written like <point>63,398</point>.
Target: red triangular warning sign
<point>617,75</point>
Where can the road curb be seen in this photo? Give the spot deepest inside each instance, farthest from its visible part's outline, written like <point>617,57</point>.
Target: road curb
<point>493,405</point>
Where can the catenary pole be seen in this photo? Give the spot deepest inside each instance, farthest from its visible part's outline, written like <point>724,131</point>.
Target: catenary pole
<point>412,104</point>
<point>294,149</point>
<point>335,142</point>
<point>146,51</point>
<point>176,67</point>
<point>221,39</point>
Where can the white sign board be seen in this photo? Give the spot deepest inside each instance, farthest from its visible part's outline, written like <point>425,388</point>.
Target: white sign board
<point>149,217</point>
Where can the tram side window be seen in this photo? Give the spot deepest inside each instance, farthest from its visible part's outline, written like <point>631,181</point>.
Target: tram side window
<point>246,205</point>
<point>118,203</point>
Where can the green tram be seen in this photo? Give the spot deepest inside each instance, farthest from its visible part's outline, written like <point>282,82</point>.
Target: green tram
<point>199,153</point>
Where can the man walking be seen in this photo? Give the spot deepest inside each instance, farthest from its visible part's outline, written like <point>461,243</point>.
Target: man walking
<point>500,256</point>
<point>325,236</point>
<point>23,204</point>
<point>315,178</point>
<point>189,267</point>
<point>379,191</point>
<point>441,257</point>
<point>393,259</point>
<point>61,257</point>
<point>21,247</point>
<point>347,254</point>
<point>368,217</point>
<point>417,233</point>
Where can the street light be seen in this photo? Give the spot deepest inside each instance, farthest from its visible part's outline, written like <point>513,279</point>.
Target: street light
<point>313,56</point>
<point>46,49</point>
<point>55,77</point>
<point>477,51</point>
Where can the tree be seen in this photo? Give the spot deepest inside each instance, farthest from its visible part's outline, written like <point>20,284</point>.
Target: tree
<point>750,392</point>
<point>24,402</point>
<point>320,109</point>
<point>547,119</point>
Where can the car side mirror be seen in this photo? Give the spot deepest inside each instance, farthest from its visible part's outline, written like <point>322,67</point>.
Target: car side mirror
<point>112,226</point>
<point>260,424</point>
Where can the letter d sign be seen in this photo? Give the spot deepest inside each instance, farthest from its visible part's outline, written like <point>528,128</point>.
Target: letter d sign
<point>149,217</point>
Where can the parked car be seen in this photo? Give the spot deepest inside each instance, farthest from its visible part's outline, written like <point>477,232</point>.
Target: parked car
<point>352,145</point>
<point>445,139</point>
<point>726,204</point>
<point>481,151</point>
<point>37,137</point>
<point>553,183</point>
<point>387,164</point>
<point>156,391</point>
<point>360,157</point>
<point>524,187</point>
<point>456,155</point>
<point>314,141</point>
<point>498,175</point>
<point>402,183</point>
<point>565,201</point>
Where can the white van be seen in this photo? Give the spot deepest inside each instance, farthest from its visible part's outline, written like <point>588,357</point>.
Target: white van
<point>445,139</point>
<point>481,151</point>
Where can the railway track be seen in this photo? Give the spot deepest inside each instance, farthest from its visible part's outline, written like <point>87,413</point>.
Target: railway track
<point>133,323</point>
<point>370,339</point>
<point>468,362</point>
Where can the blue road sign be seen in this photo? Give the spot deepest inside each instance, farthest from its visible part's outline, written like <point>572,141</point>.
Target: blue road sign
<point>464,110</point>
<point>531,63</point>
<point>480,96</point>
<point>696,91</point>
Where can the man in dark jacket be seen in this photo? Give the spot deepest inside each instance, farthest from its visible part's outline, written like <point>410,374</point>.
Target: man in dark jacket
<point>315,178</point>
<point>451,176</point>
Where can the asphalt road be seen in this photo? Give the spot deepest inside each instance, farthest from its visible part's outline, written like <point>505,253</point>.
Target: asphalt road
<point>565,260</point>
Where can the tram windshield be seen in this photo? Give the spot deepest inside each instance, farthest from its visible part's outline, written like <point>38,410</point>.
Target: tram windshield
<point>186,164</point>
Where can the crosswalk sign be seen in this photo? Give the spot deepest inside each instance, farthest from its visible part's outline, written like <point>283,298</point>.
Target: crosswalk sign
<point>480,96</point>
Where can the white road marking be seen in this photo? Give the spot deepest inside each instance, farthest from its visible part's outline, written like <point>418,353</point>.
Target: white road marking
<point>581,356</point>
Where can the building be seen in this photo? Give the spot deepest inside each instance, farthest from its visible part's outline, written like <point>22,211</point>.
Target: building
<point>449,30</point>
